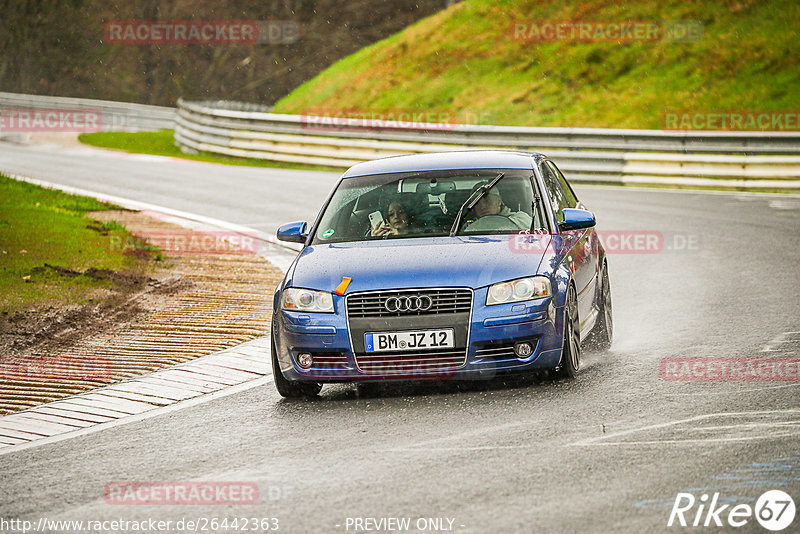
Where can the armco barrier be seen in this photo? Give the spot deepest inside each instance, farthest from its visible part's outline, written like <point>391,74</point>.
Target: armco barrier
<point>115,116</point>
<point>716,159</point>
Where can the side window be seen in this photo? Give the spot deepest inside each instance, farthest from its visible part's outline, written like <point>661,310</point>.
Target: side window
<point>554,192</point>
<point>572,200</point>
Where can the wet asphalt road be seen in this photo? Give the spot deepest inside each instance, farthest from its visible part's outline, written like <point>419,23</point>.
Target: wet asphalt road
<point>606,452</point>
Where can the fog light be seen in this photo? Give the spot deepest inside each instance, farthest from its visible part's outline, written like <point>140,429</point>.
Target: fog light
<point>523,349</point>
<point>305,360</point>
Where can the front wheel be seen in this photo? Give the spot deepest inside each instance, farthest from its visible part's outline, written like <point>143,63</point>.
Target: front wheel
<point>287,389</point>
<point>571,346</point>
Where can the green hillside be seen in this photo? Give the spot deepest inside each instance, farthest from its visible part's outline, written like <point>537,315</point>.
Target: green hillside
<point>465,64</point>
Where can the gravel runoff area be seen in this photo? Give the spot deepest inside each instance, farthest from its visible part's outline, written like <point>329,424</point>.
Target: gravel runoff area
<point>213,292</point>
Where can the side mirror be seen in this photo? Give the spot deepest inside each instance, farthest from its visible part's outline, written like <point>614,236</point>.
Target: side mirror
<point>294,232</point>
<point>576,219</point>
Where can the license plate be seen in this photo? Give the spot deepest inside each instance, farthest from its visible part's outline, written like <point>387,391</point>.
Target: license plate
<point>409,340</point>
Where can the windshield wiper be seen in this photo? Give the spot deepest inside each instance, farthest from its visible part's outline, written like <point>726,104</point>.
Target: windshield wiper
<point>473,199</point>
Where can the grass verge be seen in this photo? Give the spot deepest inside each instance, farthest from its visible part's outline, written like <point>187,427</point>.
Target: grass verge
<point>52,253</point>
<point>469,64</point>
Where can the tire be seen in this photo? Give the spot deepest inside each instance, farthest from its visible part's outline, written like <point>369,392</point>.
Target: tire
<point>602,334</point>
<point>571,346</point>
<point>287,389</point>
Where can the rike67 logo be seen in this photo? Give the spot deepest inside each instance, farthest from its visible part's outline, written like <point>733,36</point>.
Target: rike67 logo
<point>774,510</point>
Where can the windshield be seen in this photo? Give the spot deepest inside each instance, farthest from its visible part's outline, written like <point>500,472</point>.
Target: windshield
<point>426,204</point>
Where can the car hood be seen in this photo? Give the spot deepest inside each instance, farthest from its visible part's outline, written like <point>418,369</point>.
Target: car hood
<point>463,261</point>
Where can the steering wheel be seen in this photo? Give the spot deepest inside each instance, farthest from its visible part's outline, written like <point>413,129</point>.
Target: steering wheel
<point>491,223</point>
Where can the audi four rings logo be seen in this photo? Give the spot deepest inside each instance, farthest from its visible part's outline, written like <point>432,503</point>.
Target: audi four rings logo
<point>408,304</point>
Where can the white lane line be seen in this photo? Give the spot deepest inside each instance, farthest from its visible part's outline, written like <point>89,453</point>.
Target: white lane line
<point>777,428</point>
<point>461,449</point>
<point>783,205</point>
<point>779,343</point>
<point>729,392</point>
<point>693,441</point>
<point>135,204</point>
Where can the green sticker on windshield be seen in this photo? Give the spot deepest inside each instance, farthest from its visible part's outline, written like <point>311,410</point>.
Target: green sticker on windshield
<point>327,233</point>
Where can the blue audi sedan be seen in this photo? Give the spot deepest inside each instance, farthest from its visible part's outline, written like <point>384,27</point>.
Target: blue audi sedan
<point>451,265</point>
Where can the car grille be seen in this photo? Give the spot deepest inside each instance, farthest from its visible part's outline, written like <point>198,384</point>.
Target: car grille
<point>411,363</point>
<point>444,301</point>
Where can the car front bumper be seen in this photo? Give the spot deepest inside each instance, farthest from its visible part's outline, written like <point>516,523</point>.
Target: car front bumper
<point>491,332</point>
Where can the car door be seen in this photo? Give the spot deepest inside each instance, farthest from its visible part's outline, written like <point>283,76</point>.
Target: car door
<point>580,256</point>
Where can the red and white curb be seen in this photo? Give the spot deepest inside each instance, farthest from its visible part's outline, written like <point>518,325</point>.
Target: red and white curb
<point>245,366</point>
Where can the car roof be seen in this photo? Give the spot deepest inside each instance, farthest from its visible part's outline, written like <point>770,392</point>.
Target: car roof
<point>466,159</point>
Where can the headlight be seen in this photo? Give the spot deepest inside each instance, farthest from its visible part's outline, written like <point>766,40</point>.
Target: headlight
<point>307,300</point>
<point>533,287</point>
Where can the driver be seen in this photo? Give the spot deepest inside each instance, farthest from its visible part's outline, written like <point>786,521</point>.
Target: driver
<point>492,204</point>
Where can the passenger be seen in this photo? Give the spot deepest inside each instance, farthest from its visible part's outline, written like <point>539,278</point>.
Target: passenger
<point>492,204</point>
<point>397,220</point>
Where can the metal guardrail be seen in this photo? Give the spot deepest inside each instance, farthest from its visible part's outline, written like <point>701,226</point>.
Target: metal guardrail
<point>115,116</point>
<point>718,159</point>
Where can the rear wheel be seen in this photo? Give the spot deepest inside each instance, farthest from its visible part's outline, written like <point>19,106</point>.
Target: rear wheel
<point>602,334</point>
<point>571,349</point>
<point>287,389</point>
